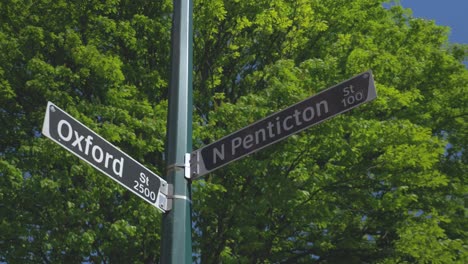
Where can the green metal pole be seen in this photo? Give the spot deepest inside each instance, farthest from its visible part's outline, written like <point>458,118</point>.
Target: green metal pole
<point>177,227</point>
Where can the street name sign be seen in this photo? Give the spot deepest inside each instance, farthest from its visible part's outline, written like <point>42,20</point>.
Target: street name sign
<point>311,111</point>
<point>69,133</point>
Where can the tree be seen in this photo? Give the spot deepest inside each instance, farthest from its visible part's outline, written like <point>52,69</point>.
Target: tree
<point>104,62</point>
<point>384,183</point>
<point>372,186</point>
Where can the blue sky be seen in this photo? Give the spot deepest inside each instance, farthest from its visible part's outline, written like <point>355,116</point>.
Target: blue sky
<point>452,13</point>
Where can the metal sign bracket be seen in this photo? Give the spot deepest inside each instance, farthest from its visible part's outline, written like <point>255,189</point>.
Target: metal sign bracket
<point>166,201</point>
<point>163,202</point>
<point>163,197</point>
<point>195,164</point>
<point>187,165</point>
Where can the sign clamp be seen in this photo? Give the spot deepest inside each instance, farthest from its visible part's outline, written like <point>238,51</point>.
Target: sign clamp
<point>168,189</point>
<point>164,203</point>
<point>195,164</point>
<point>187,168</point>
<point>171,196</point>
<point>163,197</point>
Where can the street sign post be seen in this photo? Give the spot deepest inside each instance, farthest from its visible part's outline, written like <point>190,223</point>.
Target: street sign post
<point>313,110</point>
<point>95,150</point>
<point>176,240</point>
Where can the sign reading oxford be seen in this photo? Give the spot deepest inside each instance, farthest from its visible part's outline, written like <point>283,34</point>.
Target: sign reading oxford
<point>92,148</point>
<point>320,107</point>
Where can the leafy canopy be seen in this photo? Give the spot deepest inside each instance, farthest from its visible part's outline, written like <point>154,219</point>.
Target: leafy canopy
<point>384,183</point>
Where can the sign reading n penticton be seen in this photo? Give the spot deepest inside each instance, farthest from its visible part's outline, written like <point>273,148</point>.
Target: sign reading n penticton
<point>313,110</point>
<point>92,148</point>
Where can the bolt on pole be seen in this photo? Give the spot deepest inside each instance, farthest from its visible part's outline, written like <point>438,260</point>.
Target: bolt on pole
<point>177,228</point>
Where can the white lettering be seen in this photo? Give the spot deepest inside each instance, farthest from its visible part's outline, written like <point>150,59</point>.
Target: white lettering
<point>84,144</point>
<point>285,123</point>
<point>311,116</point>
<point>274,128</point>
<point>101,154</point>
<point>118,171</point>
<point>77,141</point>
<point>270,130</point>
<point>88,141</point>
<point>325,107</point>
<point>144,179</point>
<point>70,131</point>
<point>236,142</point>
<point>108,157</point>
<point>278,126</point>
<point>219,154</point>
<point>296,115</point>
<point>257,133</point>
<point>248,141</point>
